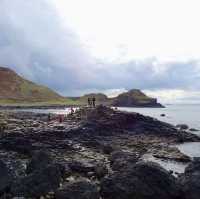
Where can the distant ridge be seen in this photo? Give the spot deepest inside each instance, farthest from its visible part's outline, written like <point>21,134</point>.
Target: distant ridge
<point>132,98</point>
<point>16,90</point>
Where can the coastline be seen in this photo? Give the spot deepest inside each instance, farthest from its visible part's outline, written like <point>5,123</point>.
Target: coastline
<point>89,145</point>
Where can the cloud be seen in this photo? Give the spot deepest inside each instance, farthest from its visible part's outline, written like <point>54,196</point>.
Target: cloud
<point>36,43</point>
<point>176,96</point>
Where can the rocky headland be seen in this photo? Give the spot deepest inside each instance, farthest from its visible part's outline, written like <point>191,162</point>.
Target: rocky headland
<point>94,153</point>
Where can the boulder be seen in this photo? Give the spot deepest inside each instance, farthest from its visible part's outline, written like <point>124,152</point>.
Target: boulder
<point>182,126</point>
<point>143,180</point>
<point>193,129</point>
<point>171,153</point>
<point>39,160</point>
<point>81,167</point>
<point>100,170</point>
<point>107,149</point>
<point>38,183</point>
<point>190,180</point>
<point>78,190</point>
<point>5,178</point>
<point>121,159</point>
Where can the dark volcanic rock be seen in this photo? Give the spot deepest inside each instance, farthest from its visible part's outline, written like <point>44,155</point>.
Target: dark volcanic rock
<point>86,147</point>
<point>78,190</point>
<point>107,149</point>
<point>193,129</point>
<point>39,160</point>
<point>142,181</point>
<point>182,126</point>
<point>121,159</point>
<point>190,180</point>
<point>171,153</point>
<point>104,121</point>
<point>18,144</point>
<point>5,178</point>
<point>39,183</point>
<point>81,167</point>
<point>100,170</point>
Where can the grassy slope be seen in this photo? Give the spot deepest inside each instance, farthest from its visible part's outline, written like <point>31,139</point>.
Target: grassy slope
<point>17,91</point>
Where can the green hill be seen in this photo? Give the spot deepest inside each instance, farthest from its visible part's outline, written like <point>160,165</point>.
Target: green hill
<point>15,89</point>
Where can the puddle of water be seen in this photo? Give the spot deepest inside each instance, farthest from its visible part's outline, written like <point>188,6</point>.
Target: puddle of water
<point>192,149</point>
<point>174,166</point>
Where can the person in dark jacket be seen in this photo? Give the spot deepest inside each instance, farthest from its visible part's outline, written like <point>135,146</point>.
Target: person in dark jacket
<point>89,102</point>
<point>94,101</point>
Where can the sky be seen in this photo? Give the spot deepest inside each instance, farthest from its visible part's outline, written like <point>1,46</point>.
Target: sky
<point>77,47</point>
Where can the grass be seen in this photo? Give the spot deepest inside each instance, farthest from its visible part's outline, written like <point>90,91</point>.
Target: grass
<point>23,103</point>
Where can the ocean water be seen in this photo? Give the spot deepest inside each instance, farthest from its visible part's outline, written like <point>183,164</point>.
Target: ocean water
<point>175,114</point>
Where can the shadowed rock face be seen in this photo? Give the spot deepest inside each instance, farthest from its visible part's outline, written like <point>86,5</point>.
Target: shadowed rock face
<point>43,176</point>
<point>5,177</point>
<point>190,180</point>
<point>143,181</point>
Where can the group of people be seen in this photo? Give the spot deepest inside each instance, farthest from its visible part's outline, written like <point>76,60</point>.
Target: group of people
<point>92,102</point>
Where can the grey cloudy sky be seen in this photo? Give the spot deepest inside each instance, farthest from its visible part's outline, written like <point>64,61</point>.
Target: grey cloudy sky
<point>75,47</point>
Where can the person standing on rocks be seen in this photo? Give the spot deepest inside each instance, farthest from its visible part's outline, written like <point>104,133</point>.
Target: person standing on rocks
<point>89,102</point>
<point>94,101</point>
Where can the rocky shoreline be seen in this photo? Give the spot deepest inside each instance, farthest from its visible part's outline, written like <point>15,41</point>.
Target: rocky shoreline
<point>93,154</point>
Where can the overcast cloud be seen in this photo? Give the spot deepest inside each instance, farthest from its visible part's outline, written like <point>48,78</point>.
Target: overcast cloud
<point>35,42</point>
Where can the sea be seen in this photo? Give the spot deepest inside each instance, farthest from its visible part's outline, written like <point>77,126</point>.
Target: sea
<point>174,114</point>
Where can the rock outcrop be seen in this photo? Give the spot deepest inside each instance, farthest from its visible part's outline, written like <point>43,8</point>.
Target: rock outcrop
<point>96,154</point>
<point>143,181</point>
<point>190,180</point>
<point>43,176</point>
<point>135,98</point>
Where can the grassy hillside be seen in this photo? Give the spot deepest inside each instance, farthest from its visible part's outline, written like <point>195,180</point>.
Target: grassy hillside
<point>17,90</point>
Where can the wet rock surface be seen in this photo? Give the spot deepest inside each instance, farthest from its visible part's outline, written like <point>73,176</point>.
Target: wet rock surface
<point>90,149</point>
<point>171,153</point>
